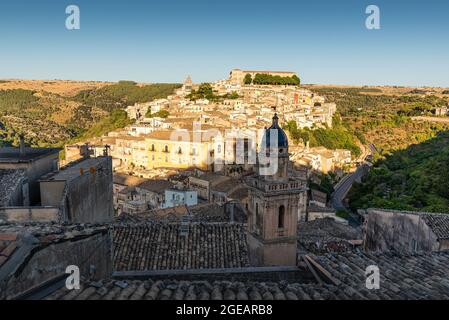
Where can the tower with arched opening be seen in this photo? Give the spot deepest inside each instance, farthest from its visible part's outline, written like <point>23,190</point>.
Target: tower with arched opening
<point>275,202</point>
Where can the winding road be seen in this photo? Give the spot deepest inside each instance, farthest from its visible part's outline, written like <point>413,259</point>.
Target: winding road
<point>342,188</point>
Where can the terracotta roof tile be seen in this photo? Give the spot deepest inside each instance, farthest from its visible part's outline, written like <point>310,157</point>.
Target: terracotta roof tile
<point>162,246</point>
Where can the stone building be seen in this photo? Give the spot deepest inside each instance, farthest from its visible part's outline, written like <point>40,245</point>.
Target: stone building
<point>275,202</point>
<point>165,149</point>
<point>82,191</point>
<point>188,85</point>
<point>406,231</point>
<point>237,75</point>
<point>35,161</point>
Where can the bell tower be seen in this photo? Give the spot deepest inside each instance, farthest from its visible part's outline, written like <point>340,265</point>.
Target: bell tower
<point>275,202</point>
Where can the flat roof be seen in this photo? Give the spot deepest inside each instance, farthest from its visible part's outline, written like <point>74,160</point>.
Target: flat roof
<point>12,155</point>
<point>73,170</point>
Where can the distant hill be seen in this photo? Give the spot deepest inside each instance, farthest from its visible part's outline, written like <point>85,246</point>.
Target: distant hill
<point>50,113</point>
<point>383,115</point>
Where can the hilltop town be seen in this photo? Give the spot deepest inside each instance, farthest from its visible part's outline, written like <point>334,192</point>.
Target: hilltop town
<point>209,194</point>
<point>145,149</point>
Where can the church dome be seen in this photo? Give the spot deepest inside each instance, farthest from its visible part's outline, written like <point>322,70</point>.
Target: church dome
<point>279,134</point>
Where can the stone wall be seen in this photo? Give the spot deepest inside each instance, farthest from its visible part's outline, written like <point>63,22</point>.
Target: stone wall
<point>44,263</point>
<point>89,196</point>
<point>395,230</point>
<point>22,214</point>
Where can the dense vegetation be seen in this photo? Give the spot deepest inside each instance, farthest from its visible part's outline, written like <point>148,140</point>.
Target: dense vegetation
<point>205,91</point>
<point>411,171</point>
<point>416,178</point>
<point>13,102</point>
<point>159,114</point>
<point>123,94</point>
<point>337,137</point>
<point>384,120</point>
<point>48,119</point>
<point>268,79</point>
<point>118,118</point>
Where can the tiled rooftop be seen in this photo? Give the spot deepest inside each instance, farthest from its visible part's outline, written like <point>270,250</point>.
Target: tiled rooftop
<point>194,290</point>
<point>419,276</point>
<point>203,212</point>
<point>162,246</point>
<point>439,223</point>
<point>11,234</point>
<point>325,235</point>
<point>8,182</point>
<point>401,278</point>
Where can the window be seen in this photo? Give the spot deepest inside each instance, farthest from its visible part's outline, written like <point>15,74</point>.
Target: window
<point>165,148</point>
<point>152,147</point>
<point>281,217</point>
<point>179,150</point>
<point>219,148</point>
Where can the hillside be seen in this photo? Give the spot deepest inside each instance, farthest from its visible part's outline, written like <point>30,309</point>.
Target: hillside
<point>65,88</point>
<point>51,113</point>
<point>383,115</point>
<point>416,178</point>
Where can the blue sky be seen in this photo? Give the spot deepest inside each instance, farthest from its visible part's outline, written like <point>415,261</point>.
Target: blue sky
<point>163,41</point>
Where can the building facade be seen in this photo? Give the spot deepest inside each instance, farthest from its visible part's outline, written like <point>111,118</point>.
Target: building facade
<point>237,75</point>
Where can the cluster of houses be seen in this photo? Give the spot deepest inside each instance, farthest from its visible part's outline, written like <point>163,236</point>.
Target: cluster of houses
<point>320,159</point>
<point>195,133</point>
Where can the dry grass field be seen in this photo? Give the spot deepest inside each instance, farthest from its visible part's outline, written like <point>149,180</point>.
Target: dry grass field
<point>60,87</point>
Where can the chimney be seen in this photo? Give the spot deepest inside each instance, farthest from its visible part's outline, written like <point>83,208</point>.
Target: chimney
<point>22,151</point>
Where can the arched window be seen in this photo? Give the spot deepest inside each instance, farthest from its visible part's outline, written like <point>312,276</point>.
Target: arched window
<point>179,150</point>
<point>281,217</point>
<point>152,147</point>
<point>165,148</point>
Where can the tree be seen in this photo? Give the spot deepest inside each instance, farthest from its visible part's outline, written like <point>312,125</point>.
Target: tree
<point>159,114</point>
<point>248,79</point>
<point>296,80</point>
<point>268,79</point>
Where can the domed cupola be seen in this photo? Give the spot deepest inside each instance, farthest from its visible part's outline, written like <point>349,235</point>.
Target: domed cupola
<point>282,140</point>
